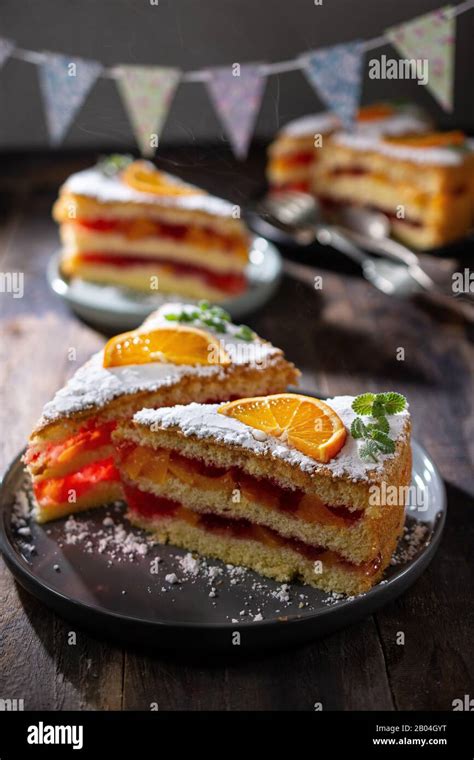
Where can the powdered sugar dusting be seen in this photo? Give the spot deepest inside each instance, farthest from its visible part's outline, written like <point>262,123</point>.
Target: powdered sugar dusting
<point>93,183</point>
<point>317,123</point>
<point>406,120</point>
<point>204,421</point>
<point>427,156</point>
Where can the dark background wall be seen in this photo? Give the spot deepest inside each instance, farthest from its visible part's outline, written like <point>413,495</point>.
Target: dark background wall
<point>192,34</point>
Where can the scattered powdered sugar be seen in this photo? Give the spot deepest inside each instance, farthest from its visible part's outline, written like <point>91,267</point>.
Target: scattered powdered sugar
<point>204,421</point>
<point>282,594</point>
<point>415,537</point>
<point>115,538</point>
<point>189,564</point>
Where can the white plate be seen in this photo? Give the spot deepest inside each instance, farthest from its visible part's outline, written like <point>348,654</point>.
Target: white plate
<point>111,307</point>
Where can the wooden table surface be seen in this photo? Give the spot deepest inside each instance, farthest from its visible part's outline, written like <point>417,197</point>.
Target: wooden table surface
<point>345,339</point>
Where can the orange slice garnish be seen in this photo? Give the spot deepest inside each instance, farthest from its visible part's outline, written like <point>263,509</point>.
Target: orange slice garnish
<point>306,423</point>
<point>175,345</point>
<point>375,112</point>
<point>143,176</point>
<point>430,140</point>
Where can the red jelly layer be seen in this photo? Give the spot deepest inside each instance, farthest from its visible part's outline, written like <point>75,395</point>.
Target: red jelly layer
<point>150,506</point>
<point>262,490</point>
<point>228,283</point>
<point>89,437</point>
<point>140,228</point>
<point>302,186</point>
<point>58,490</point>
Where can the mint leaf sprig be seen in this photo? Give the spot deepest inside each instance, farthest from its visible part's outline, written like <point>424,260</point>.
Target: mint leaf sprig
<point>114,164</point>
<point>214,317</point>
<point>375,434</point>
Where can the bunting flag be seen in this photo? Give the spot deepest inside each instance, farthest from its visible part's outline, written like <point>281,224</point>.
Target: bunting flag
<point>147,93</point>
<point>336,75</point>
<point>431,37</point>
<point>236,94</point>
<point>6,48</point>
<point>65,83</point>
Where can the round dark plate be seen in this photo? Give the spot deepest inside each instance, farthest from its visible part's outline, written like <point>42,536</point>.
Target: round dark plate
<point>82,575</point>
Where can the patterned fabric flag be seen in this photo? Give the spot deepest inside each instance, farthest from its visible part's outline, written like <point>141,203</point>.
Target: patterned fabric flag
<point>237,99</point>
<point>431,37</point>
<point>336,75</point>
<point>147,93</point>
<point>6,48</point>
<point>65,83</point>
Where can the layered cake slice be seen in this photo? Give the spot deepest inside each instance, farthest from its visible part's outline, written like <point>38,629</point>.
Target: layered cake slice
<point>423,183</point>
<point>288,485</point>
<point>180,354</point>
<point>295,152</point>
<point>134,226</point>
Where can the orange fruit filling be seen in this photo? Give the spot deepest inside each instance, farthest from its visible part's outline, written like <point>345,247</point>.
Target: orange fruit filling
<point>430,140</point>
<point>145,177</point>
<point>180,344</point>
<point>375,112</point>
<point>157,464</point>
<point>308,424</point>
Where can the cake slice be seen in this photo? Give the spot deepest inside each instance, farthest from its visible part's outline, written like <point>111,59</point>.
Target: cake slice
<point>141,228</point>
<point>182,353</point>
<point>423,183</point>
<point>278,484</point>
<point>295,152</point>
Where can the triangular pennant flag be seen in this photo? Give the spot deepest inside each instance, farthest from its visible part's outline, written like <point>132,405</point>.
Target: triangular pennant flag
<point>431,37</point>
<point>6,49</point>
<point>65,83</point>
<point>147,92</point>
<point>336,75</point>
<point>236,95</point>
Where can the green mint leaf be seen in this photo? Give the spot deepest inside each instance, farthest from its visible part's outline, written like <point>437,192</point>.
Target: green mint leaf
<point>204,305</point>
<point>363,404</point>
<point>369,450</point>
<point>381,423</point>
<point>392,402</point>
<point>378,408</point>
<point>112,165</point>
<point>358,429</point>
<point>245,333</point>
<point>172,317</point>
<point>383,441</point>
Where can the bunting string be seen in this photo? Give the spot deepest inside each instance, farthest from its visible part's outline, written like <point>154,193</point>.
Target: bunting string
<point>334,72</point>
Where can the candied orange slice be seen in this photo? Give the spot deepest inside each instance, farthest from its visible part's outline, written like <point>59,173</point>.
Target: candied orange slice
<point>375,112</point>
<point>430,140</point>
<point>144,176</point>
<point>306,423</point>
<point>180,344</point>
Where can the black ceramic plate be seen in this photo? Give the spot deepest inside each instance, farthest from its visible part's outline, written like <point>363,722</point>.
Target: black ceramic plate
<point>80,573</point>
